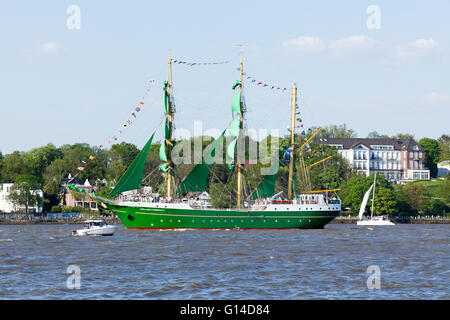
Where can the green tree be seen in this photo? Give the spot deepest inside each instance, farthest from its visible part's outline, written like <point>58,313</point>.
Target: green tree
<point>444,147</point>
<point>1,166</point>
<point>38,159</point>
<point>443,191</point>
<point>403,136</point>
<point>120,158</point>
<point>24,193</point>
<point>416,196</point>
<point>220,195</point>
<point>54,175</point>
<point>436,207</point>
<point>354,189</point>
<point>385,202</point>
<point>336,131</point>
<point>403,206</point>
<point>13,166</point>
<point>431,147</point>
<point>376,135</point>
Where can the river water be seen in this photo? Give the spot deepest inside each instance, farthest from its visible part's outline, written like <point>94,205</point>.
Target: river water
<point>331,263</point>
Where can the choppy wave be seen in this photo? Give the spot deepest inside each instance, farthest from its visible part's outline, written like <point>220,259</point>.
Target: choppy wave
<point>331,263</point>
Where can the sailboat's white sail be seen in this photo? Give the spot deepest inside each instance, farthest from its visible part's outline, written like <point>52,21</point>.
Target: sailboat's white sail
<point>364,202</point>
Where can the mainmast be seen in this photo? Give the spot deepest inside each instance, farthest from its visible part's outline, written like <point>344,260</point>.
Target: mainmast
<point>291,160</point>
<point>169,138</point>
<point>241,120</point>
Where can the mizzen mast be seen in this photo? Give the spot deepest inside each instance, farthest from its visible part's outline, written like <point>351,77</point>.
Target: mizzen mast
<point>292,144</point>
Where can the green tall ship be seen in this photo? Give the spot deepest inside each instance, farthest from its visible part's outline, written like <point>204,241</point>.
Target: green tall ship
<point>263,209</point>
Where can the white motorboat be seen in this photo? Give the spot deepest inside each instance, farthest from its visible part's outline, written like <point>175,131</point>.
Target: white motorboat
<point>95,228</point>
<point>373,221</point>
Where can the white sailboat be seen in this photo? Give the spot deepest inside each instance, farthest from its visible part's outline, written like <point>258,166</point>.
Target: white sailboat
<point>373,221</point>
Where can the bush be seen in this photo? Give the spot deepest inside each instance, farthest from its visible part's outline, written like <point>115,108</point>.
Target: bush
<point>55,209</point>
<point>436,207</point>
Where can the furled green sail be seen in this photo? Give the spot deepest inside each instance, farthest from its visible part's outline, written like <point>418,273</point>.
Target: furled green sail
<point>162,152</point>
<point>236,104</point>
<point>198,178</point>
<point>166,97</point>
<point>230,149</point>
<point>132,178</point>
<point>162,149</point>
<point>234,127</point>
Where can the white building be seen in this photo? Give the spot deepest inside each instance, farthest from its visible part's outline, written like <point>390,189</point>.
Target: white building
<point>6,205</point>
<point>398,160</point>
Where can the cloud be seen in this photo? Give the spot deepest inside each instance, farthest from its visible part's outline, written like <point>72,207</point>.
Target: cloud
<point>436,98</point>
<point>341,47</point>
<point>305,44</point>
<point>354,44</point>
<point>46,49</point>
<point>419,49</point>
<point>49,48</point>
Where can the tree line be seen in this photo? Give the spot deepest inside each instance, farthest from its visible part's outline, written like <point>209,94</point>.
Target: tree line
<point>48,166</point>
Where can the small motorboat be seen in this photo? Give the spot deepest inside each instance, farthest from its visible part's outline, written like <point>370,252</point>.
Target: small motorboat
<point>95,228</point>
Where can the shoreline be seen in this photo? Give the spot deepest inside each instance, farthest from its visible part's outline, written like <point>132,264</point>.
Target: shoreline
<point>397,220</point>
<point>116,220</point>
<point>109,220</point>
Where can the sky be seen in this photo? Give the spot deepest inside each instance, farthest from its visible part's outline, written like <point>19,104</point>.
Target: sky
<point>384,68</point>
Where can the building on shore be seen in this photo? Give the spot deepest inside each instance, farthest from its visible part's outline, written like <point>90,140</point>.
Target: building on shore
<point>7,206</point>
<point>73,200</point>
<point>398,160</point>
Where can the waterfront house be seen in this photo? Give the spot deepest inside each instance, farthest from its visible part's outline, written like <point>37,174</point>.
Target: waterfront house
<point>75,200</point>
<point>398,160</point>
<point>7,206</point>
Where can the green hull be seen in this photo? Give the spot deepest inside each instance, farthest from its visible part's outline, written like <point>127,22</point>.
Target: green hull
<point>175,218</point>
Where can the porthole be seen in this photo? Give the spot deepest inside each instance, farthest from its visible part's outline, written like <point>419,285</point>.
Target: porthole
<point>276,220</point>
<point>179,221</point>
<point>161,220</point>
